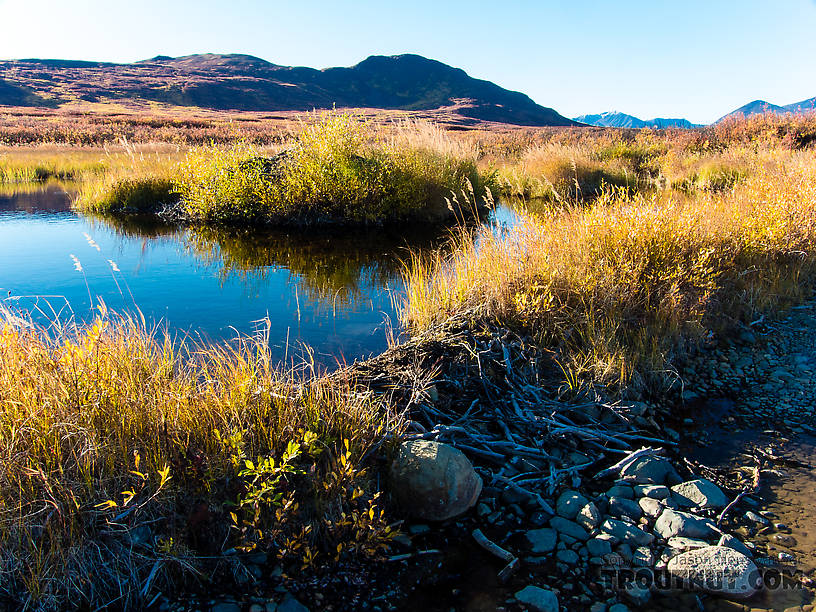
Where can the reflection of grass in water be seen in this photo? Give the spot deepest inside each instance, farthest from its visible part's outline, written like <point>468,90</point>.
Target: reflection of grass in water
<point>10,190</point>
<point>332,266</point>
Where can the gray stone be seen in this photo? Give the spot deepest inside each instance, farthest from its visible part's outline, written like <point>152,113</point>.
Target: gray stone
<point>569,503</point>
<point>682,544</point>
<point>651,507</point>
<point>651,470</point>
<point>643,557</point>
<point>618,607</point>
<point>570,557</point>
<point>569,528</point>
<point>638,595</point>
<point>625,551</point>
<point>619,506</point>
<point>624,532</point>
<point>700,493</point>
<point>541,540</point>
<point>538,599</point>
<point>624,491</point>
<point>756,518</point>
<point>434,481</point>
<point>598,547</point>
<point>732,542</point>
<point>588,517</point>
<point>717,569</point>
<point>225,606</point>
<point>672,523</point>
<point>652,491</point>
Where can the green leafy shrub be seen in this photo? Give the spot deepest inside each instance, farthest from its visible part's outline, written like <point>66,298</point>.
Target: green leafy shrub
<point>330,174</point>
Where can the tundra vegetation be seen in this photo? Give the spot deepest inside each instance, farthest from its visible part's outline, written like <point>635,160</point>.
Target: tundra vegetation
<point>632,246</point>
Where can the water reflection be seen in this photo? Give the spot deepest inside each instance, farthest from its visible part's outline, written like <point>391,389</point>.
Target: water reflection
<point>333,291</point>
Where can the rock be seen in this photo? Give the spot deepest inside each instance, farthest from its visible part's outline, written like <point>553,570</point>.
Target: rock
<point>672,523</point>
<point>290,604</point>
<point>618,607</point>
<point>651,507</point>
<point>569,528</point>
<point>682,544</point>
<point>717,569</point>
<point>619,506</point>
<point>624,491</point>
<point>569,503</point>
<point>625,552</point>
<point>732,542</point>
<point>541,540</point>
<point>756,518</point>
<point>225,606</point>
<point>434,481</point>
<point>538,599</point>
<point>570,557</point>
<point>643,557</point>
<point>700,493</point>
<point>624,532</point>
<point>599,547</point>
<point>652,491</point>
<point>588,517</point>
<point>598,606</point>
<point>651,470</point>
<point>637,594</point>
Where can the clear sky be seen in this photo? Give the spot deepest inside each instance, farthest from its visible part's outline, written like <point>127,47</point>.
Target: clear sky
<point>697,59</point>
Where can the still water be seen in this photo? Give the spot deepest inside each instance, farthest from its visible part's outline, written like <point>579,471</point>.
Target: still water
<point>336,293</point>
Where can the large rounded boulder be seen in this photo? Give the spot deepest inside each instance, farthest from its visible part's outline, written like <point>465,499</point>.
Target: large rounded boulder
<point>717,569</point>
<point>434,481</point>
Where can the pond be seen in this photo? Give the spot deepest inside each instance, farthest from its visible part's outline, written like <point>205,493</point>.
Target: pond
<point>337,293</point>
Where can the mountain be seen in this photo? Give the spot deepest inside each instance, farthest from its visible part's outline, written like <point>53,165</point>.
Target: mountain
<point>760,107</point>
<point>805,106</point>
<point>622,120</point>
<point>244,82</point>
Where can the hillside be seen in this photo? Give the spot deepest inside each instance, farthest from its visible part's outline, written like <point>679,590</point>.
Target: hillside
<point>247,83</point>
<point>622,120</point>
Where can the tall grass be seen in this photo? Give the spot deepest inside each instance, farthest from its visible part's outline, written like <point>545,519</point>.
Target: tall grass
<point>136,180</point>
<point>620,285</point>
<point>38,164</point>
<point>129,462</point>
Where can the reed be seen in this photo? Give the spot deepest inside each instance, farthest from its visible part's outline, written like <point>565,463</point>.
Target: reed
<point>128,459</point>
<point>624,285</point>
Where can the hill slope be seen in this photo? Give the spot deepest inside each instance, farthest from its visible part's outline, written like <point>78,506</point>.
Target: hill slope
<point>244,82</point>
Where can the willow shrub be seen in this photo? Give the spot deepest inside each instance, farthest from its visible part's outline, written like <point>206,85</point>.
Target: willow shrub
<point>330,174</point>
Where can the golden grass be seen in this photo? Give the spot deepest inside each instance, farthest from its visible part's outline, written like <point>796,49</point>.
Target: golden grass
<point>618,285</point>
<point>112,434</point>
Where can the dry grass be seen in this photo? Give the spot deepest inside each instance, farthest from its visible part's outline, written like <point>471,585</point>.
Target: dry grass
<point>617,286</point>
<point>123,453</point>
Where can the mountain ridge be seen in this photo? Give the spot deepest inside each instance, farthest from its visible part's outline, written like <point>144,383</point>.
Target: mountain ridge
<point>762,107</point>
<point>623,120</point>
<point>245,82</point>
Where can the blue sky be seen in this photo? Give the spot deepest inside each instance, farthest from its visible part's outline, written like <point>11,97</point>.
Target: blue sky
<point>695,59</point>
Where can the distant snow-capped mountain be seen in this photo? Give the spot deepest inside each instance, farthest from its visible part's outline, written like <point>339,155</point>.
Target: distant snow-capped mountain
<point>622,120</point>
